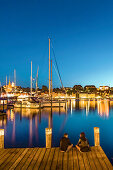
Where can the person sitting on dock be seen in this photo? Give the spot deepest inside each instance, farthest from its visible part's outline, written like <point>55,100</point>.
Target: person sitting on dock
<point>65,144</point>
<point>83,143</point>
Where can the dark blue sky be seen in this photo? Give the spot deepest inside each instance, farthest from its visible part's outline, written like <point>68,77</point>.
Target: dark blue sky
<point>81,32</point>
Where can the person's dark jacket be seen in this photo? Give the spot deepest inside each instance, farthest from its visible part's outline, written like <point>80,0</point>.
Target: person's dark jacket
<point>64,143</point>
<point>83,142</point>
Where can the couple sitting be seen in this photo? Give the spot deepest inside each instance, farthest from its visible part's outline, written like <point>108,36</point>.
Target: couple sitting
<point>82,145</point>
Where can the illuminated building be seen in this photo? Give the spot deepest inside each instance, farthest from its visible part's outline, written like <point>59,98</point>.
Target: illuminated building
<point>10,87</point>
<point>90,88</point>
<point>104,88</point>
<point>87,95</point>
<point>78,88</point>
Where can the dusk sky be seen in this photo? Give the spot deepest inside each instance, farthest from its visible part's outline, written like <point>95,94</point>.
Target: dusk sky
<point>81,33</point>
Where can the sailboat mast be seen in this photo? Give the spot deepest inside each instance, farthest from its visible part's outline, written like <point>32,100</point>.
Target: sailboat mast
<point>31,78</point>
<point>49,68</point>
<point>51,77</point>
<point>1,87</point>
<point>6,83</point>
<point>6,80</point>
<point>15,78</point>
<point>37,81</point>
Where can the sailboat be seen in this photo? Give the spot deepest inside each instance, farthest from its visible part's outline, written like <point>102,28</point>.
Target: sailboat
<point>43,102</point>
<point>51,102</point>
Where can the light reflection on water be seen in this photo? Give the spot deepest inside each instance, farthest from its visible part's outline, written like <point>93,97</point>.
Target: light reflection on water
<point>26,127</point>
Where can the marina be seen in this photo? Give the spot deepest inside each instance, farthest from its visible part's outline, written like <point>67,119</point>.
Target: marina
<point>56,85</point>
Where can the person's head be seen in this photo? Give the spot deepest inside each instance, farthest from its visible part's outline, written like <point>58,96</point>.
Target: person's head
<point>65,135</point>
<point>82,135</point>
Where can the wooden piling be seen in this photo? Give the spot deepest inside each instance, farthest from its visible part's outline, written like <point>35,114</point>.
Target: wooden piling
<point>1,138</point>
<point>48,132</point>
<point>96,136</point>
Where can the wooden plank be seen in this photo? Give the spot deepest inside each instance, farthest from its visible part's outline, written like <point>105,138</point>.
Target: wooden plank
<point>60,160</point>
<point>37,165</point>
<point>11,162</point>
<point>49,162</point>
<point>2,150</point>
<point>24,159</point>
<point>27,163</point>
<point>5,157</point>
<point>80,159</point>
<point>19,159</point>
<point>9,158</point>
<point>4,153</point>
<point>75,159</point>
<point>100,159</point>
<point>105,158</point>
<point>70,164</point>
<point>86,161</point>
<point>44,161</point>
<point>33,162</point>
<point>42,158</point>
<point>91,161</point>
<point>65,161</point>
<point>55,159</point>
<point>96,161</point>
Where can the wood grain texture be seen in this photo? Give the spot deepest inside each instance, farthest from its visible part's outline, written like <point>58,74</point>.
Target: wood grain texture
<point>53,158</point>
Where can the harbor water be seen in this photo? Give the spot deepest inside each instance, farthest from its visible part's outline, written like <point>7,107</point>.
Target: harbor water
<point>26,127</point>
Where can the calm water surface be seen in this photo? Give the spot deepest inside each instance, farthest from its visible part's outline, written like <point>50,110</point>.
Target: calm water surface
<point>26,127</point>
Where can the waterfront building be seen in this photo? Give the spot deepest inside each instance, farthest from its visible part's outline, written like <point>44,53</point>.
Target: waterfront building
<point>67,88</point>
<point>86,95</point>
<point>104,88</point>
<point>77,88</point>
<point>10,87</point>
<point>90,88</point>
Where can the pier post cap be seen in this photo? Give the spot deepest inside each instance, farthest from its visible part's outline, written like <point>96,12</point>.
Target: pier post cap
<point>96,129</point>
<point>48,130</point>
<point>1,132</point>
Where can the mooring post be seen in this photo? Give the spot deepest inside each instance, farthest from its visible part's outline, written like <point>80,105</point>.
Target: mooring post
<point>48,132</point>
<point>1,138</point>
<point>96,136</point>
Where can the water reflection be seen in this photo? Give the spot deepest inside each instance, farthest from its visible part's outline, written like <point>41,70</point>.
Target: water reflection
<point>35,116</point>
<point>3,121</point>
<point>26,127</point>
<point>103,106</point>
<point>30,131</point>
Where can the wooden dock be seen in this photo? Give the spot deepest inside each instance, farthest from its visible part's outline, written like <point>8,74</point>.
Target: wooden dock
<point>42,158</point>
